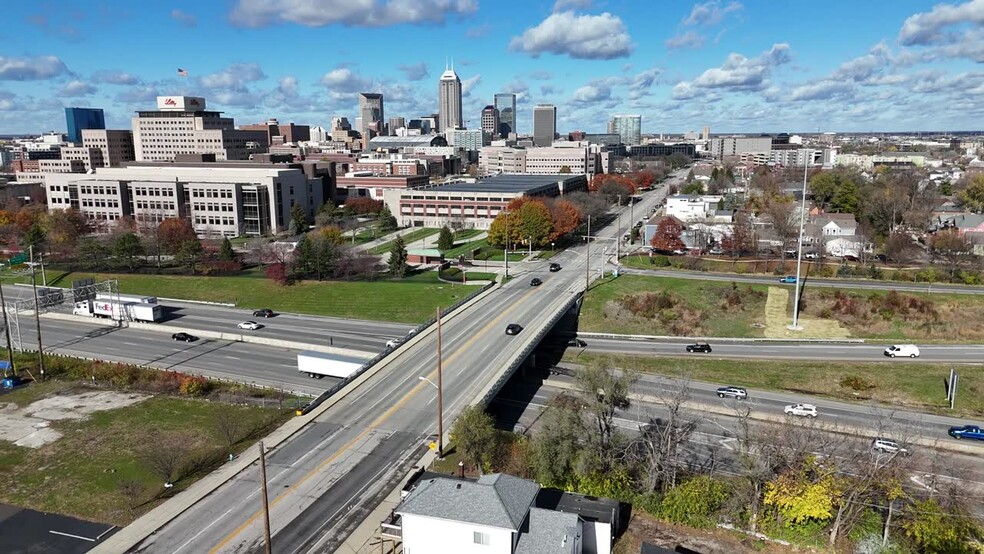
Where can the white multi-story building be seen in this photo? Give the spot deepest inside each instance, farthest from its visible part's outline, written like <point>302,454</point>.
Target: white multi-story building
<point>736,146</point>
<point>469,139</point>
<point>576,158</point>
<point>182,126</point>
<point>692,208</point>
<point>219,199</point>
<point>116,145</point>
<point>796,158</point>
<point>628,128</point>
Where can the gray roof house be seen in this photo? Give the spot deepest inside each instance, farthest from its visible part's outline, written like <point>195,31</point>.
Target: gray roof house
<point>499,514</point>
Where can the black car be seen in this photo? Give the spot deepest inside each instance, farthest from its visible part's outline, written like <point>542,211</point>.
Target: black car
<point>699,347</point>
<point>265,312</point>
<point>514,329</point>
<point>555,267</point>
<point>577,342</point>
<point>535,282</point>
<point>184,337</point>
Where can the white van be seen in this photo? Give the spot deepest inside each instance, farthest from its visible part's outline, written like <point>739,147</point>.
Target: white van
<point>909,350</point>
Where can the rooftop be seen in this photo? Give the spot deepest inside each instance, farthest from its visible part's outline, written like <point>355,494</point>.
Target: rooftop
<point>495,500</point>
<point>549,533</point>
<point>511,183</point>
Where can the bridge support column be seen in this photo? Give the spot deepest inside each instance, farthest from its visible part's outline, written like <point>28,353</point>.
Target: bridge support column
<point>528,364</point>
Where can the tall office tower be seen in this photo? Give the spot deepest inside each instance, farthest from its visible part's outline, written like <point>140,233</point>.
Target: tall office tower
<point>544,124</point>
<point>340,124</point>
<point>506,104</point>
<point>628,127</point>
<point>83,118</point>
<point>449,101</point>
<point>611,126</point>
<point>371,112</point>
<point>490,121</point>
<point>182,125</point>
<point>396,123</point>
<point>318,134</point>
<point>707,132</point>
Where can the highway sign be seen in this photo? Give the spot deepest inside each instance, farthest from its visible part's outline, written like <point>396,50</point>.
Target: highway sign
<point>18,258</point>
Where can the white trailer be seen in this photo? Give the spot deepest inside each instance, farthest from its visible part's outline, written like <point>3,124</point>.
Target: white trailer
<point>320,364</point>
<point>131,311</point>
<point>126,298</point>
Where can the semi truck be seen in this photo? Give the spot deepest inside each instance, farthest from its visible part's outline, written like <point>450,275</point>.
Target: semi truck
<point>320,364</point>
<point>131,311</point>
<point>126,298</point>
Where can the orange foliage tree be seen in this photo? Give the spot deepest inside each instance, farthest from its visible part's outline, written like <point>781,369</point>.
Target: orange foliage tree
<point>602,178</point>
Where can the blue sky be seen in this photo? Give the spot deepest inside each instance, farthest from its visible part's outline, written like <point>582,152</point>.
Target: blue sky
<point>736,65</point>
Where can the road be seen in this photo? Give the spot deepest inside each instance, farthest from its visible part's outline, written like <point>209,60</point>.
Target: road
<point>930,288</point>
<point>963,353</point>
<point>368,336</point>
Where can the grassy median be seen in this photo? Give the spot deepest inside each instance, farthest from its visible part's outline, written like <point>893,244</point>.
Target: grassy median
<point>909,386</point>
<point>409,300</point>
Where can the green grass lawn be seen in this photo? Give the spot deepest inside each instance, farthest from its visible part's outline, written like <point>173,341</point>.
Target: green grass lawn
<point>410,300</point>
<point>703,312</point>
<point>908,386</point>
<point>466,248</point>
<point>466,234</point>
<point>408,239</point>
<point>494,254</point>
<point>80,474</point>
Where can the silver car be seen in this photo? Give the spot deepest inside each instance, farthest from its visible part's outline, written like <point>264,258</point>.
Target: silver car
<point>737,393</point>
<point>889,446</point>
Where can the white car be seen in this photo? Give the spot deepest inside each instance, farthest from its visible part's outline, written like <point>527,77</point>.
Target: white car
<point>803,410</point>
<point>251,325</point>
<point>393,343</point>
<point>909,350</point>
<point>889,447</point>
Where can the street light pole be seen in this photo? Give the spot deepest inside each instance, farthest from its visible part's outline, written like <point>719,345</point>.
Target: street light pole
<point>530,238</point>
<point>587,258</point>
<point>799,253</point>
<point>37,314</point>
<point>6,332</point>
<point>440,391</point>
<point>506,257</point>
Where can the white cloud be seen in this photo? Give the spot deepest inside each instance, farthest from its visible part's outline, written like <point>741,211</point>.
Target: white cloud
<point>597,37</point>
<point>234,78</point>
<point>563,5</point>
<point>928,27</point>
<point>710,13</point>
<point>738,73</point>
<point>642,82</point>
<point>287,86</point>
<point>468,84</point>
<point>184,18</point>
<point>592,92</point>
<point>822,90</point>
<point>76,88</point>
<point>865,67</point>
<point>689,39</point>
<point>31,68</point>
<point>353,13</point>
<point>342,82</point>
<point>115,78</point>
<point>414,72</point>
<point>138,95</point>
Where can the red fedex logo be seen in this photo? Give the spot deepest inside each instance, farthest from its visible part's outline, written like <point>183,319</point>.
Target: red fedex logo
<point>170,102</point>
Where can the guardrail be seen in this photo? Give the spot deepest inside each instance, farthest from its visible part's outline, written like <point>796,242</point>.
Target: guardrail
<point>528,349</point>
<point>379,357</point>
<point>715,339</point>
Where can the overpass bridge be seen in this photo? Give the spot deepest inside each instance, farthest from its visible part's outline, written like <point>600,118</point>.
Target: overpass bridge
<point>328,469</point>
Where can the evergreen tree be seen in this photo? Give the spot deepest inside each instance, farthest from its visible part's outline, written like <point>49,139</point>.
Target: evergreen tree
<point>34,237</point>
<point>127,249</point>
<point>398,258</point>
<point>387,222</point>
<point>298,220</point>
<point>226,253</point>
<point>445,241</point>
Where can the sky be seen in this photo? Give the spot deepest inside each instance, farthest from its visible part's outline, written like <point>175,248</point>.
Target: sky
<point>735,65</point>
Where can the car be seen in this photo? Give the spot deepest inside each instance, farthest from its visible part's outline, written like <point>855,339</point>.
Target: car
<point>251,325</point>
<point>889,446</point>
<point>737,393</point>
<point>577,342</point>
<point>554,267</point>
<point>967,432</point>
<point>810,256</point>
<point>909,350</point>
<point>803,410</point>
<point>184,337</point>
<point>788,279</point>
<point>265,312</point>
<point>514,329</point>
<point>535,282</point>
<point>699,347</point>
<point>393,343</point>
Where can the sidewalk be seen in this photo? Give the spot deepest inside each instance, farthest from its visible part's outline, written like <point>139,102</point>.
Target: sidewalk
<point>384,239</point>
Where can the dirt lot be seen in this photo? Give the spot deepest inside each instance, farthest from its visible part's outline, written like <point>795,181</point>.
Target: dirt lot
<point>31,426</point>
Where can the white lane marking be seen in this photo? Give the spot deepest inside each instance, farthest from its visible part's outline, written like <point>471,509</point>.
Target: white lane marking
<point>71,535</point>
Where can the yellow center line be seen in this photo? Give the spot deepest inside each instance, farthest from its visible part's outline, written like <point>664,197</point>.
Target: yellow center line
<point>372,427</point>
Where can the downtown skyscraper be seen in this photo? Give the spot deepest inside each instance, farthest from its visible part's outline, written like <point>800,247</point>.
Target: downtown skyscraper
<point>506,104</point>
<point>544,124</point>
<point>628,127</point>
<point>371,115</point>
<point>449,101</point>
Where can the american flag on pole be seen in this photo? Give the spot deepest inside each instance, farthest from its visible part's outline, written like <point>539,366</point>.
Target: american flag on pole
<point>182,73</point>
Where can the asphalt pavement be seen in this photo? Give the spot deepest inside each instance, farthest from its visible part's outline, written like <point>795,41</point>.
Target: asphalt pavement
<point>25,531</point>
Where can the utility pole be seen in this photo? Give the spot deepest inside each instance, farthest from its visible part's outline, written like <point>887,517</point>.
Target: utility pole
<point>506,257</point>
<point>37,314</point>
<point>6,332</point>
<point>266,502</point>
<point>440,392</point>
<point>587,258</point>
<point>799,255</point>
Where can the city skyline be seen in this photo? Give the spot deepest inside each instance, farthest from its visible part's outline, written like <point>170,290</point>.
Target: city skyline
<point>735,66</point>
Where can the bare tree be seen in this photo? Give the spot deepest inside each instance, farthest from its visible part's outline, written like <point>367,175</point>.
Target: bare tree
<point>662,438</point>
<point>603,392</point>
<point>131,489</point>
<point>784,217</point>
<point>163,457</point>
<point>229,425</point>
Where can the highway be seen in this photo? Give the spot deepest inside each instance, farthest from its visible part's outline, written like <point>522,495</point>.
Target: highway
<point>846,352</point>
<point>369,336</point>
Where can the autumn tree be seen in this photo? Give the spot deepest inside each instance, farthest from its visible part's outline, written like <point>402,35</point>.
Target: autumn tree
<point>972,197</point>
<point>565,218</point>
<point>804,493</point>
<point>900,249</point>
<point>64,228</point>
<point>667,235</point>
<point>626,184</point>
<point>363,206</point>
<point>781,213</point>
<point>644,178</point>
<point>174,232</point>
<point>952,250</point>
<point>535,223</point>
<point>741,238</point>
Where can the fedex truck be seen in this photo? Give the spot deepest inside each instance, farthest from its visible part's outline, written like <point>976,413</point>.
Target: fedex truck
<point>130,311</point>
<point>319,364</point>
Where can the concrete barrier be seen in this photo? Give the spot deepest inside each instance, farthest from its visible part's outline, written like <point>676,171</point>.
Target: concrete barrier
<point>714,339</point>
